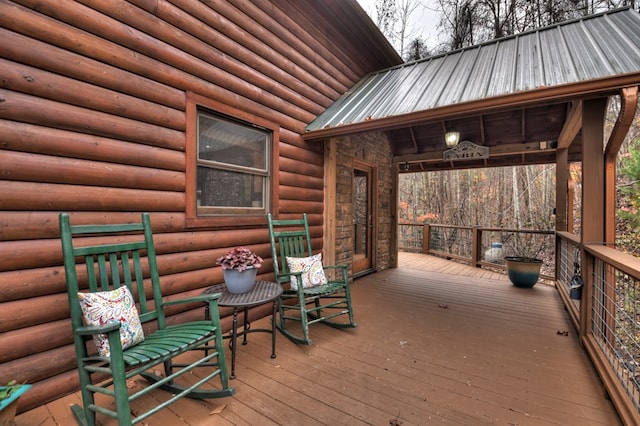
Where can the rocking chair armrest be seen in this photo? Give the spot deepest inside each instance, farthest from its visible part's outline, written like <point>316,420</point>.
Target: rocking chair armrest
<point>286,276</point>
<point>89,330</point>
<point>196,299</point>
<point>335,267</point>
<point>340,267</point>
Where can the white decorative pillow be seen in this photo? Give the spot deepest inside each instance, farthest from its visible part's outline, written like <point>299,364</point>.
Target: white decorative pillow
<point>311,268</point>
<point>108,306</point>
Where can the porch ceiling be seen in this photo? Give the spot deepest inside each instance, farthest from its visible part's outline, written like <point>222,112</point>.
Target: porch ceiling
<point>525,135</point>
<point>512,95</point>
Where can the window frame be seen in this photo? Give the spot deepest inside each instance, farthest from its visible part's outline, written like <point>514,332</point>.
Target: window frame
<point>232,218</point>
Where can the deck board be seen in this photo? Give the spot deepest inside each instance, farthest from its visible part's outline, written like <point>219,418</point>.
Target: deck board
<point>463,347</point>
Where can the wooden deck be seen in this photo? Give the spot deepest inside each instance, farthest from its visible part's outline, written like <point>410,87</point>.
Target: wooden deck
<point>436,342</point>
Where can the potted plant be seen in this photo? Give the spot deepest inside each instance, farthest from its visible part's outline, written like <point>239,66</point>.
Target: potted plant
<point>523,268</point>
<point>523,271</point>
<point>9,401</point>
<point>239,266</point>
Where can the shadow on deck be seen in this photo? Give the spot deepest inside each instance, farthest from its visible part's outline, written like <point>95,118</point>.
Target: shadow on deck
<point>454,345</point>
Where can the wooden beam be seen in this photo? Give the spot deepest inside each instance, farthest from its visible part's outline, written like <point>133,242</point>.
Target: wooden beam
<point>414,141</point>
<point>495,151</point>
<point>572,125</point>
<point>628,106</point>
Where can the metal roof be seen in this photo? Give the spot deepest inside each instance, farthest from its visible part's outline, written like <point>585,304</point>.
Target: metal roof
<point>592,48</point>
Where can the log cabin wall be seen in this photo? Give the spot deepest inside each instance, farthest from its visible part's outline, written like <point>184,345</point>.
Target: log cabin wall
<point>93,119</point>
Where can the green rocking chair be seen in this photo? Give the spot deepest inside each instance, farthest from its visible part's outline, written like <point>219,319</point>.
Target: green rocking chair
<point>324,294</point>
<point>113,291</point>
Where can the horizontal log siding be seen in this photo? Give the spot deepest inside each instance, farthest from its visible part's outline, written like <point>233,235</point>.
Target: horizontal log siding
<point>46,168</point>
<point>92,121</point>
<point>45,140</point>
<point>27,50</point>
<point>21,78</point>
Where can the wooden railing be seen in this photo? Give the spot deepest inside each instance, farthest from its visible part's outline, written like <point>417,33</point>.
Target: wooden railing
<point>474,245</point>
<point>607,316</point>
<point>568,254</point>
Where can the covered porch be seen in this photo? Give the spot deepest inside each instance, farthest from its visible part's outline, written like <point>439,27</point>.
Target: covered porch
<point>437,341</point>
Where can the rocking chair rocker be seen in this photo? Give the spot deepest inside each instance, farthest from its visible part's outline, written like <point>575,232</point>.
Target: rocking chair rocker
<point>312,297</point>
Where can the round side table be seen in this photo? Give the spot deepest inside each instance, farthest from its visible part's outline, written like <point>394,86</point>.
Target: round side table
<point>262,292</point>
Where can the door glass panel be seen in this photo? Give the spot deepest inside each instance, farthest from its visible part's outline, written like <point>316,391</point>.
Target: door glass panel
<point>360,213</point>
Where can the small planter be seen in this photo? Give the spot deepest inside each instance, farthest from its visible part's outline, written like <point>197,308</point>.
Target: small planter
<point>523,271</point>
<point>240,267</point>
<point>9,405</point>
<point>240,281</point>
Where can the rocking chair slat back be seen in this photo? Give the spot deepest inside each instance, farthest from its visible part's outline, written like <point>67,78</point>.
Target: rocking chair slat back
<point>110,265</point>
<point>291,238</point>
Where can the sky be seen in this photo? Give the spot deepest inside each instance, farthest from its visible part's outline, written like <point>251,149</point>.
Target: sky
<point>424,20</point>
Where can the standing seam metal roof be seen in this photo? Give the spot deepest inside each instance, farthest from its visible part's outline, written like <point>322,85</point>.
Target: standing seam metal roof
<point>589,48</point>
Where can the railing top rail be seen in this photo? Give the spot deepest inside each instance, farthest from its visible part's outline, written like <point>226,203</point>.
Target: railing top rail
<point>622,261</point>
<point>434,224</point>
<point>522,231</point>
<point>574,238</point>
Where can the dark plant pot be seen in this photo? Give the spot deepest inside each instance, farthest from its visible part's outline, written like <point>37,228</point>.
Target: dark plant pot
<point>523,271</point>
<point>239,282</point>
<point>9,405</point>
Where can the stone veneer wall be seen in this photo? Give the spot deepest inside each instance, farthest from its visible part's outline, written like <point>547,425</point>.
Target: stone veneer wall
<point>373,148</point>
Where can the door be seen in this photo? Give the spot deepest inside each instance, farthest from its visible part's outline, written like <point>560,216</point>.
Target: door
<point>363,218</point>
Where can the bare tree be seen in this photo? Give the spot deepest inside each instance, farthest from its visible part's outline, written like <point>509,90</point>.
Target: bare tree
<point>386,18</point>
<point>469,22</point>
<point>404,11</point>
<point>459,18</point>
<point>393,19</point>
<point>416,49</point>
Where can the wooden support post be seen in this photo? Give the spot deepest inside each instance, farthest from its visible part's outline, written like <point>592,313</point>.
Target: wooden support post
<point>562,199</point>
<point>562,189</point>
<point>330,194</point>
<point>593,196</point>
<point>426,238</point>
<point>393,263</point>
<point>476,246</point>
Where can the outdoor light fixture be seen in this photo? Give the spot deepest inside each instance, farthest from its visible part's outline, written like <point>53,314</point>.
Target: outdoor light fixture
<point>451,139</point>
<point>404,167</point>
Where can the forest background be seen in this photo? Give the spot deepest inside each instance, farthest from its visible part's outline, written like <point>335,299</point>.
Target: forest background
<point>521,197</point>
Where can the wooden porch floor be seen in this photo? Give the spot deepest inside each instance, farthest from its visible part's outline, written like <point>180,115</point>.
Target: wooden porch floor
<point>437,342</point>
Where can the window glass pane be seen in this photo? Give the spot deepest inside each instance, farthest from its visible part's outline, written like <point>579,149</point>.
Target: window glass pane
<point>229,143</point>
<point>221,188</point>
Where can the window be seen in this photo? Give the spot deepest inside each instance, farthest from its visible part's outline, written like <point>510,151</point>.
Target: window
<point>233,173</point>
<point>229,164</point>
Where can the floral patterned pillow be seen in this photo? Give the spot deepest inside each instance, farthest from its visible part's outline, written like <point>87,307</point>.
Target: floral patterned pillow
<point>311,268</point>
<point>108,306</point>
